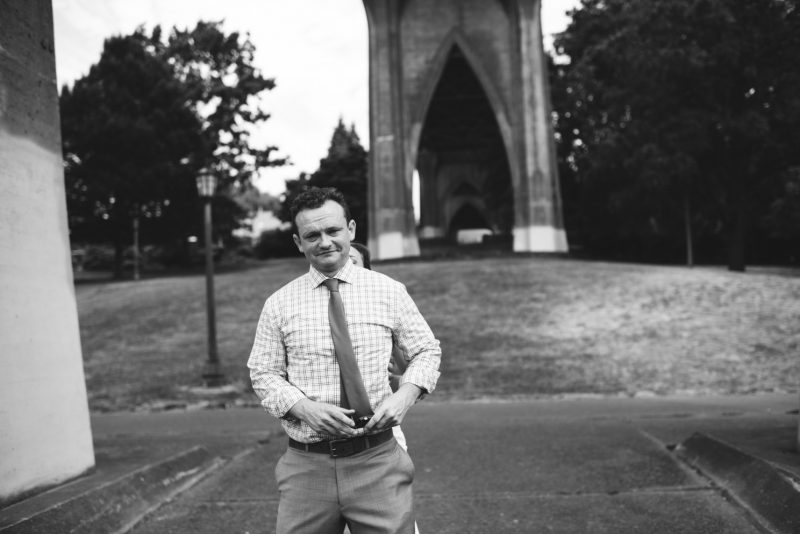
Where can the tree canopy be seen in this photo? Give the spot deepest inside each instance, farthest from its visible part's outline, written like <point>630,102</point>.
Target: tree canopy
<point>679,119</point>
<point>149,115</point>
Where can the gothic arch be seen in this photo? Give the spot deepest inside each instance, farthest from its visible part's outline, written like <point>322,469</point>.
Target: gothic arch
<point>457,39</point>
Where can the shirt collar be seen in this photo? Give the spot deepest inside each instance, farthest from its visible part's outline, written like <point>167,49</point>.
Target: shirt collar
<point>346,274</point>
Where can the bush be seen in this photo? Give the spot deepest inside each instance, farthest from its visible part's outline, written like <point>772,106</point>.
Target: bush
<point>276,243</point>
<point>93,258</point>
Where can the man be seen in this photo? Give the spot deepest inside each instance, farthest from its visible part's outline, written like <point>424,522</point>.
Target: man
<point>342,465</point>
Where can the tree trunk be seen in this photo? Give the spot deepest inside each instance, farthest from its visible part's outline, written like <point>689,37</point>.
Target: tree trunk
<point>687,221</point>
<point>136,256</point>
<point>738,232</point>
<point>119,251</point>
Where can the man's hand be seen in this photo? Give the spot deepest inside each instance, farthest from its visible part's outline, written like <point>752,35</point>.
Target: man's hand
<point>324,418</point>
<point>392,410</point>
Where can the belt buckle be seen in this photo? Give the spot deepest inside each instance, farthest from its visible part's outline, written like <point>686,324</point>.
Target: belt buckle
<point>341,447</point>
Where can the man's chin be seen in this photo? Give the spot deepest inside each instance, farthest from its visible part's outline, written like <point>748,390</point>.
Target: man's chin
<point>328,262</point>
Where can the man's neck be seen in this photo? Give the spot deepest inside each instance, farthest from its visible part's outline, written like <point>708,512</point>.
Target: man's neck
<point>330,274</point>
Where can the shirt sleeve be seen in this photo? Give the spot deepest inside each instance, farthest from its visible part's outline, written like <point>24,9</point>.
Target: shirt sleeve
<point>267,364</point>
<point>416,340</point>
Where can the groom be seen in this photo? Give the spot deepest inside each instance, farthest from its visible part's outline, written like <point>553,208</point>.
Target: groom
<point>342,465</point>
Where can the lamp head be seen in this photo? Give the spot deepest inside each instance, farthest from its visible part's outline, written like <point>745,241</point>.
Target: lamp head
<point>206,183</point>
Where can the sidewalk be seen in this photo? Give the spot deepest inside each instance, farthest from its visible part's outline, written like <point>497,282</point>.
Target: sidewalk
<point>691,464</point>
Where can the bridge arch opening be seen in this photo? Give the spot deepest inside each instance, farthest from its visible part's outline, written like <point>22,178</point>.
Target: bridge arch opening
<point>462,159</point>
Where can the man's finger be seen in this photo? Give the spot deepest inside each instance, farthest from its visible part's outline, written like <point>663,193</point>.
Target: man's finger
<point>347,421</point>
<point>378,422</point>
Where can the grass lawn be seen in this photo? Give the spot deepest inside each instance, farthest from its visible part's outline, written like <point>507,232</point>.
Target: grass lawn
<point>509,326</point>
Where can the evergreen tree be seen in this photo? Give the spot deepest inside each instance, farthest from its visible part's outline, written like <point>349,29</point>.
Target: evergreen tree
<point>345,168</point>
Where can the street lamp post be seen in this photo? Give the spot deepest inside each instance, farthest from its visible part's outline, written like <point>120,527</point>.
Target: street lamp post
<point>212,374</point>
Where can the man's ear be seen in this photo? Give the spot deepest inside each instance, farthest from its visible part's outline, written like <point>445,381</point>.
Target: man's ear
<point>351,227</point>
<point>297,242</point>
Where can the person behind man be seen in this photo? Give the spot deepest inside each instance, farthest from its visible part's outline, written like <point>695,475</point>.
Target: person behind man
<point>342,466</point>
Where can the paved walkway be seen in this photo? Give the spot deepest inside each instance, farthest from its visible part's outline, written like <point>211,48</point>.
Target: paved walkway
<point>595,465</point>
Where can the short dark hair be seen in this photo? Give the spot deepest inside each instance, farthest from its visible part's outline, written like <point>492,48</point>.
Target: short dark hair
<point>315,197</point>
<point>364,251</point>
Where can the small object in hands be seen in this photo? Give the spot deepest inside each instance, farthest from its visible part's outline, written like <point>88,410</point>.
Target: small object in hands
<point>361,422</point>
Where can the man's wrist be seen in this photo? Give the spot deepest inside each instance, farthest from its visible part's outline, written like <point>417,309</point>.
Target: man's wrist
<point>410,392</point>
<point>297,411</point>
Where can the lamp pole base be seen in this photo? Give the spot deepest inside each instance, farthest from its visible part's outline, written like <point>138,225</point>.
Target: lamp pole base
<point>212,375</point>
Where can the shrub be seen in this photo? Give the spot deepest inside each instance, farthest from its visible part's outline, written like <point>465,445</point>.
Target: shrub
<point>276,243</point>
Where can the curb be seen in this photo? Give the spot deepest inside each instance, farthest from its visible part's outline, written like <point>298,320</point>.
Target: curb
<point>116,506</point>
<point>762,488</point>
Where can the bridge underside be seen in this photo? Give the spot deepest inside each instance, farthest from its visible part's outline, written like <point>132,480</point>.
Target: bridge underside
<point>465,179</point>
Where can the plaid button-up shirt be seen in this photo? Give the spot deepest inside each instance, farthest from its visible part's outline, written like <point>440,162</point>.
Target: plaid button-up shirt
<point>293,356</point>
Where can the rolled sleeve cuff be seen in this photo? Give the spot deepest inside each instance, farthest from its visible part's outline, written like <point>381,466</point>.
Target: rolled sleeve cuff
<point>423,378</point>
<point>281,406</point>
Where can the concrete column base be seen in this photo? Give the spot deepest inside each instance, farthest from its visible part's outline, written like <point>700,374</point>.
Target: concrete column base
<point>431,232</point>
<point>540,239</point>
<point>392,245</point>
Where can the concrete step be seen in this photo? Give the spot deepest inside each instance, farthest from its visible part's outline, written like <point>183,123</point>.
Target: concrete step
<point>112,506</point>
<point>767,490</point>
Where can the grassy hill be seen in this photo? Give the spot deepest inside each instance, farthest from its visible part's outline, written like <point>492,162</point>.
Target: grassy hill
<point>509,326</point>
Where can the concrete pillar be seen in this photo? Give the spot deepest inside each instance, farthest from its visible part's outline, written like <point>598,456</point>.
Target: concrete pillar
<point>45,436</point>
<point>392,229</point>
<point>539,224</point>
<point>410,44</point>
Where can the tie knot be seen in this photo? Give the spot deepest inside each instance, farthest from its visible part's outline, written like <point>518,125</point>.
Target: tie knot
<point>332,284</point>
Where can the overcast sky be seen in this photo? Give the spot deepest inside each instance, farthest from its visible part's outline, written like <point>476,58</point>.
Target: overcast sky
<point>315,49</point>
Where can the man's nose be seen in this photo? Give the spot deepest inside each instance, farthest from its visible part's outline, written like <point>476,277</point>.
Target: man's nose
<point>325,241</point>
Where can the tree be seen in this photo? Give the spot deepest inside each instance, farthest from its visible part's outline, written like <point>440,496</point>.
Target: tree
<point>195,97</point>
<point>673,117</point>
<point>223,85</point>
<point>126,129</point>
<point>294,187</point>
<point>345,168</point>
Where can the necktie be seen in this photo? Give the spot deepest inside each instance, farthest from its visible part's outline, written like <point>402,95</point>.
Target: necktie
<point>354,393</point>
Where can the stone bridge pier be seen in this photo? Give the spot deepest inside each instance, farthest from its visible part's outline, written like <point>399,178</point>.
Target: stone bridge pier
<point>459,97</point>
<point>45,435</point>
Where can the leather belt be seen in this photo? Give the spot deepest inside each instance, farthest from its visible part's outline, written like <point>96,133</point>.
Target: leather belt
<point>340,448</point>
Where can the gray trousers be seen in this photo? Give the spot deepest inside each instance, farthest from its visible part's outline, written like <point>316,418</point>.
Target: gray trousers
<point>370,492</point>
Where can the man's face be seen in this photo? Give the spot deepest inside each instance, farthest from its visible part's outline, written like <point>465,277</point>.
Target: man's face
<point>324,235</point>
